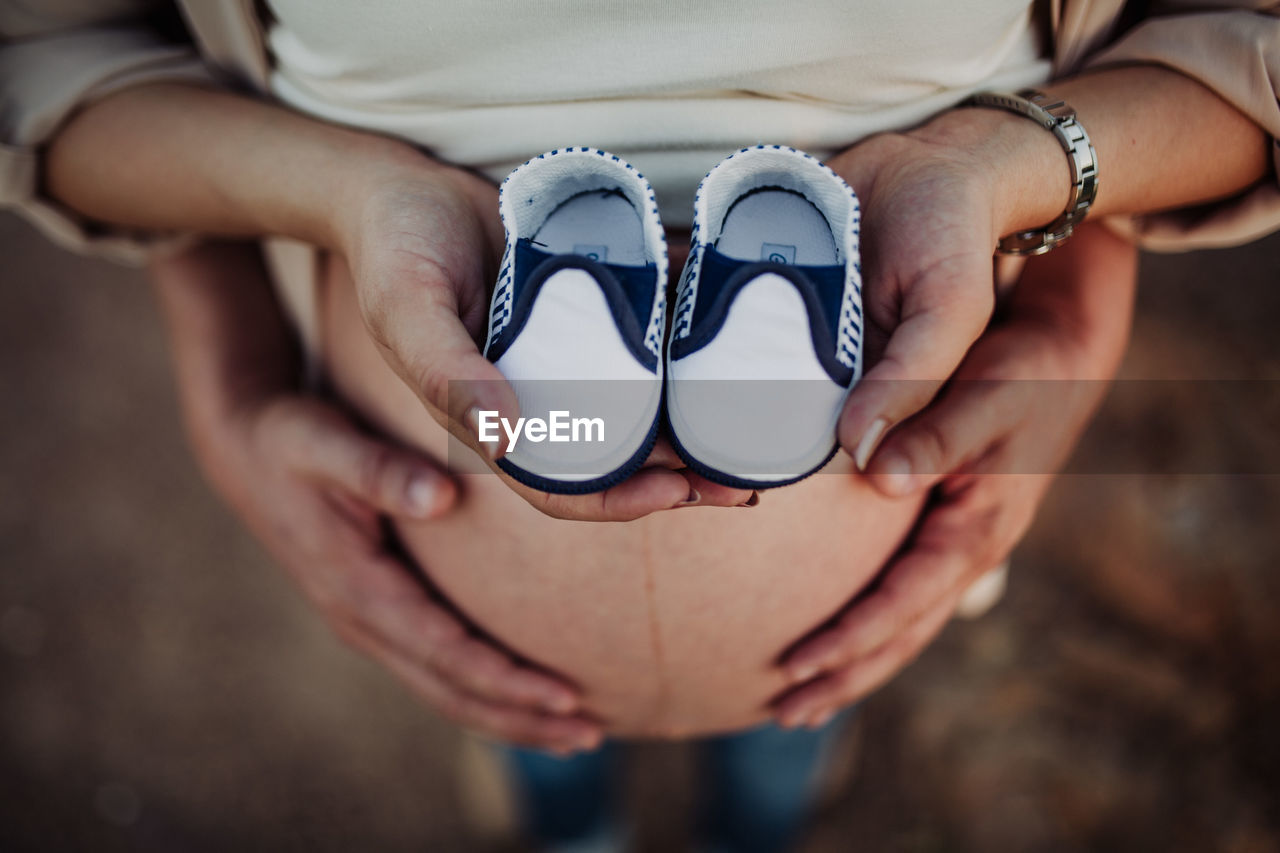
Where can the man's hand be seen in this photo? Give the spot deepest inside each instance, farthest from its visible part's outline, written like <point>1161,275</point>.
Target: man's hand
<point>990,444</point>
<point>314,490</point>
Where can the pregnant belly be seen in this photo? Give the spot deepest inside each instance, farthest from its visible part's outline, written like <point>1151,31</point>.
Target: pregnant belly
<point>672,625</point>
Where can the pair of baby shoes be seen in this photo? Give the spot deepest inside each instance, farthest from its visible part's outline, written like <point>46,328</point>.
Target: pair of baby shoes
<point>765,341</point>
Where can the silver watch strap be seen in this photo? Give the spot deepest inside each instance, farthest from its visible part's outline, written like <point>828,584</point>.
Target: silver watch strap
<point>1060,120</point>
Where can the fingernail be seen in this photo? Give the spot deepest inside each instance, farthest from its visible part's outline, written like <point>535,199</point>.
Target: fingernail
<point>559,703</point>
<point>492,448</point>
<point>421,495</point>
<point>867,446</point>
<point>792,719</point>
<point>821,719</point>
<point>589,742</point>
<point>802,672</point>
<point>692,499</point>
<point>894,474</point>
<point>754,500</point>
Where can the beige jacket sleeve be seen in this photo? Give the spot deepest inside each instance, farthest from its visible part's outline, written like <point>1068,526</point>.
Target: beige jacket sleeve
<point>53,63</point>
<point>1236,53</point>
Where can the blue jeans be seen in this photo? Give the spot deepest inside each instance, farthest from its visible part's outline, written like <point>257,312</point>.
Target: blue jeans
<point>758,789</point>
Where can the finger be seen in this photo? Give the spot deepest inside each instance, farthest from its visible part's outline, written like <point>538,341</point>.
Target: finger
<point>647,491</point>
<point>971,529</point>
<point>318,441</point>
<point>915,582</point>
<point>513,725</point>
<point>424,339</point>
<point>664,455</point>
<point>945,309</point>
<point>709,493</point>
<point>478,667</point>
<point>715,494</point>
<point>971,417</point>
<point>388,603</point>
<point>813,704</point>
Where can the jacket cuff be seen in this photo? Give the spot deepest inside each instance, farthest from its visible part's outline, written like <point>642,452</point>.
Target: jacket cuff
<point>1237,55</point>
<point>43,82</point>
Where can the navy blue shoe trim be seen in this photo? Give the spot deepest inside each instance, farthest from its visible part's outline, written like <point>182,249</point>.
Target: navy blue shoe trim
<point>582,487</point>
<point>717,476</point>
<point>725,277</point>
<point>624,289</point>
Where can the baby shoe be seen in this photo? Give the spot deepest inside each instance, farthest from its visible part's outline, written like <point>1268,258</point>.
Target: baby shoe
<point>578,319</point>
<point>767,336</point>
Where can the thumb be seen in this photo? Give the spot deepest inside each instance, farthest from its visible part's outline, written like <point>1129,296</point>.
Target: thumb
<point>972,417</point>
<point>321,443</point>
<point>945,310</point>
<point>425,341</point>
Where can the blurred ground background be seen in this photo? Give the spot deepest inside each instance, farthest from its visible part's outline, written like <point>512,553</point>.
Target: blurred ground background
<point>162,687</point>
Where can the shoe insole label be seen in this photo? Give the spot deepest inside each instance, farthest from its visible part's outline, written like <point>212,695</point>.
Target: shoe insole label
<point>777,253</point>
<point>595,253</point>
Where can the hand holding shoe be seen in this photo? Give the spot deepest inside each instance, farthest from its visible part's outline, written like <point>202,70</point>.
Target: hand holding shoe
<point>936,201</point>
<point>423,243</point>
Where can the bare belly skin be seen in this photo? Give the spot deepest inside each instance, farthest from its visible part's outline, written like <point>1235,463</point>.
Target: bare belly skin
<point>672,625</point>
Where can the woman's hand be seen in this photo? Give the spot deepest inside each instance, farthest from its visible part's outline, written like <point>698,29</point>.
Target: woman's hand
<point>937,199</point>
<point>422,238</point>
<point>314,490</point>
<point>933,211</point>
<point>990,444</point>
<point>422,241</point>
<point>185,158</point>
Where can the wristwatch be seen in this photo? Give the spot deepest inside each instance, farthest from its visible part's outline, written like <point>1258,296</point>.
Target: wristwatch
<point>1060,120</point>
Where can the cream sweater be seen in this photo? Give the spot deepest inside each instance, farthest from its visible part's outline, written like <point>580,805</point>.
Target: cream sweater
<point>56,55</point>
<point>673,87</point>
